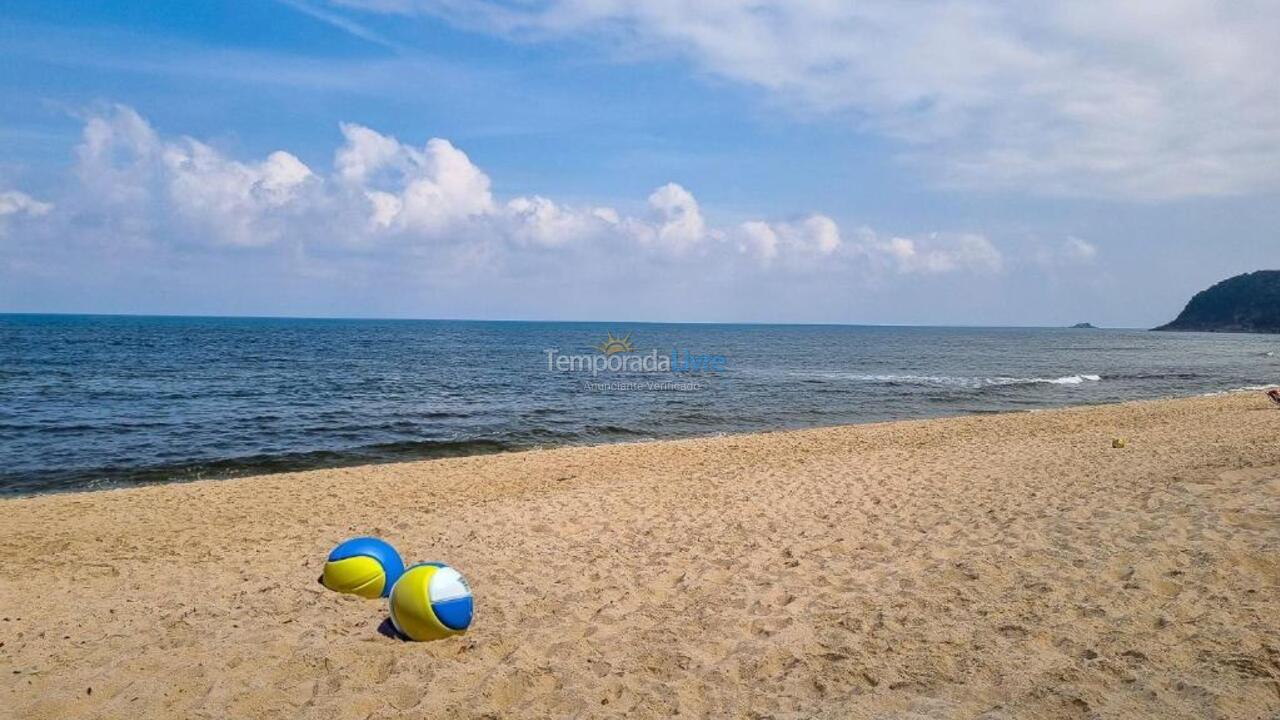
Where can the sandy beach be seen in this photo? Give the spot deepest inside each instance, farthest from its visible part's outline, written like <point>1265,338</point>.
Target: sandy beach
<point>999,566</point>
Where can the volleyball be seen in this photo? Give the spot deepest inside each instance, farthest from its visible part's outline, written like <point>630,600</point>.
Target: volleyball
<point>364,566</point>
<point>431,601</point>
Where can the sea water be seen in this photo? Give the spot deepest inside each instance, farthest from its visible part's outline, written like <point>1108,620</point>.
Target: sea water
<point>95,401</point>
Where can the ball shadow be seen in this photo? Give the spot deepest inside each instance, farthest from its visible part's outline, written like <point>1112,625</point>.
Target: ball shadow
<point>389,629</point>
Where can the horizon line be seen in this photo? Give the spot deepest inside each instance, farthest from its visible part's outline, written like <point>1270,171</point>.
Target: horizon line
<point>200,316</point>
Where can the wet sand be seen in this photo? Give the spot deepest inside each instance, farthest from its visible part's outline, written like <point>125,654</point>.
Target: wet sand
<point>1010,566</point>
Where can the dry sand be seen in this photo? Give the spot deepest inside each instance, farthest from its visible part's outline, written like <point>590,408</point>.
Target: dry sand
<point>1012,566</point>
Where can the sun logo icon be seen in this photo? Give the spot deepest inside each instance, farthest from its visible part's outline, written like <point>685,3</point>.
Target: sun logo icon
<point>614,345</point>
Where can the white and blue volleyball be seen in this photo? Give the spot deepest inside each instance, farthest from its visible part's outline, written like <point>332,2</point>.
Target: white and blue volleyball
<point>431,601</point>
<point>364,566</point>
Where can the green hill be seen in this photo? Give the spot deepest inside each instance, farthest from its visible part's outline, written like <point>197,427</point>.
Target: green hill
<point>1244,303</point>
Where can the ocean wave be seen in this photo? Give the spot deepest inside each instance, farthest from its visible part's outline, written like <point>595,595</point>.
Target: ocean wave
<point>1075,379</point>
<point>1246,388</point>
<point>973,383</point>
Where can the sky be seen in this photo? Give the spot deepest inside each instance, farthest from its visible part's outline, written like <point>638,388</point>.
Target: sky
<point>941,162</point>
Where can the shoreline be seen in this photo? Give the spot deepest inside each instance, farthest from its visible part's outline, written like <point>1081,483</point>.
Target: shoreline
<point>126,485</point>
<point>1013,564</point>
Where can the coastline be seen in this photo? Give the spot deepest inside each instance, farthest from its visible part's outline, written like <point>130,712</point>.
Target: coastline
<point>1010,563</point>
<point>232,397</point>
<point>181,473</point>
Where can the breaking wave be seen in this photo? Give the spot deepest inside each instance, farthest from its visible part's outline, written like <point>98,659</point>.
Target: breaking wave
<point>974,383</point>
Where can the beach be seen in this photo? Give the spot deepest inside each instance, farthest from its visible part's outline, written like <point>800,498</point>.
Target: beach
<point>998,566</point>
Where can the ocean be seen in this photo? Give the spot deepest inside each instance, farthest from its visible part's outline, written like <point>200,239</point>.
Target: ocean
<point>100,401</point>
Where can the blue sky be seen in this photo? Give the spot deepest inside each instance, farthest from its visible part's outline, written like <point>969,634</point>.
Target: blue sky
<point>948,163</point>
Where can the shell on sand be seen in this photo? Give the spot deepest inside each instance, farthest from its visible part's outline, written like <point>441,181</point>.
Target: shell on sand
<point>1000,566</point>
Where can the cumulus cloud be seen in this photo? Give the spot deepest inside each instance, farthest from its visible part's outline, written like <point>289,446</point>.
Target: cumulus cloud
<point>541,222</point>
<point>427,190</point>
<point>1146,99</point>
<point>131,175</point>
<point>933,254</point>
<point>759,239</point>
<point>391,204</point>
<point>675,223</point>
<point>232,201</point>
<point>814,236</point>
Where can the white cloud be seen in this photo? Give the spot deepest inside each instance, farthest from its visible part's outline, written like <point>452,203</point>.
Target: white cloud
<point>139,180</point>
<point>539,221</point>
<point>1079,250</point>
<point>116,158</point>
<point>1072,251</point>
<point>817,233</point>
<point>366,152</point>
<point>232,201</point>
<point>759,239</point>
<point>395,228</point>
<point>933,254</point>
<point>1145,99</point>
<point>394,205</point>
<point>14,202</point>
<point>814,236</point>
<point>428,190</point>
<point>675,225</point>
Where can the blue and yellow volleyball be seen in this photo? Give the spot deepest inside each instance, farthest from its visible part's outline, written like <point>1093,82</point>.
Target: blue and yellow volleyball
<point>364,566</point>
<point>431,601</point>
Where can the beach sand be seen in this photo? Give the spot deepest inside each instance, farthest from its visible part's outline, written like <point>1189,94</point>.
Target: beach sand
<point>1000,566</point>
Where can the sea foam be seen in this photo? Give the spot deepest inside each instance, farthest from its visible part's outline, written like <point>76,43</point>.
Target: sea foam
<point>974,383</point>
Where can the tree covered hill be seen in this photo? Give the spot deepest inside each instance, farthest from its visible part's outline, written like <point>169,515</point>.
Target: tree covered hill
<point>1244,303</point>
